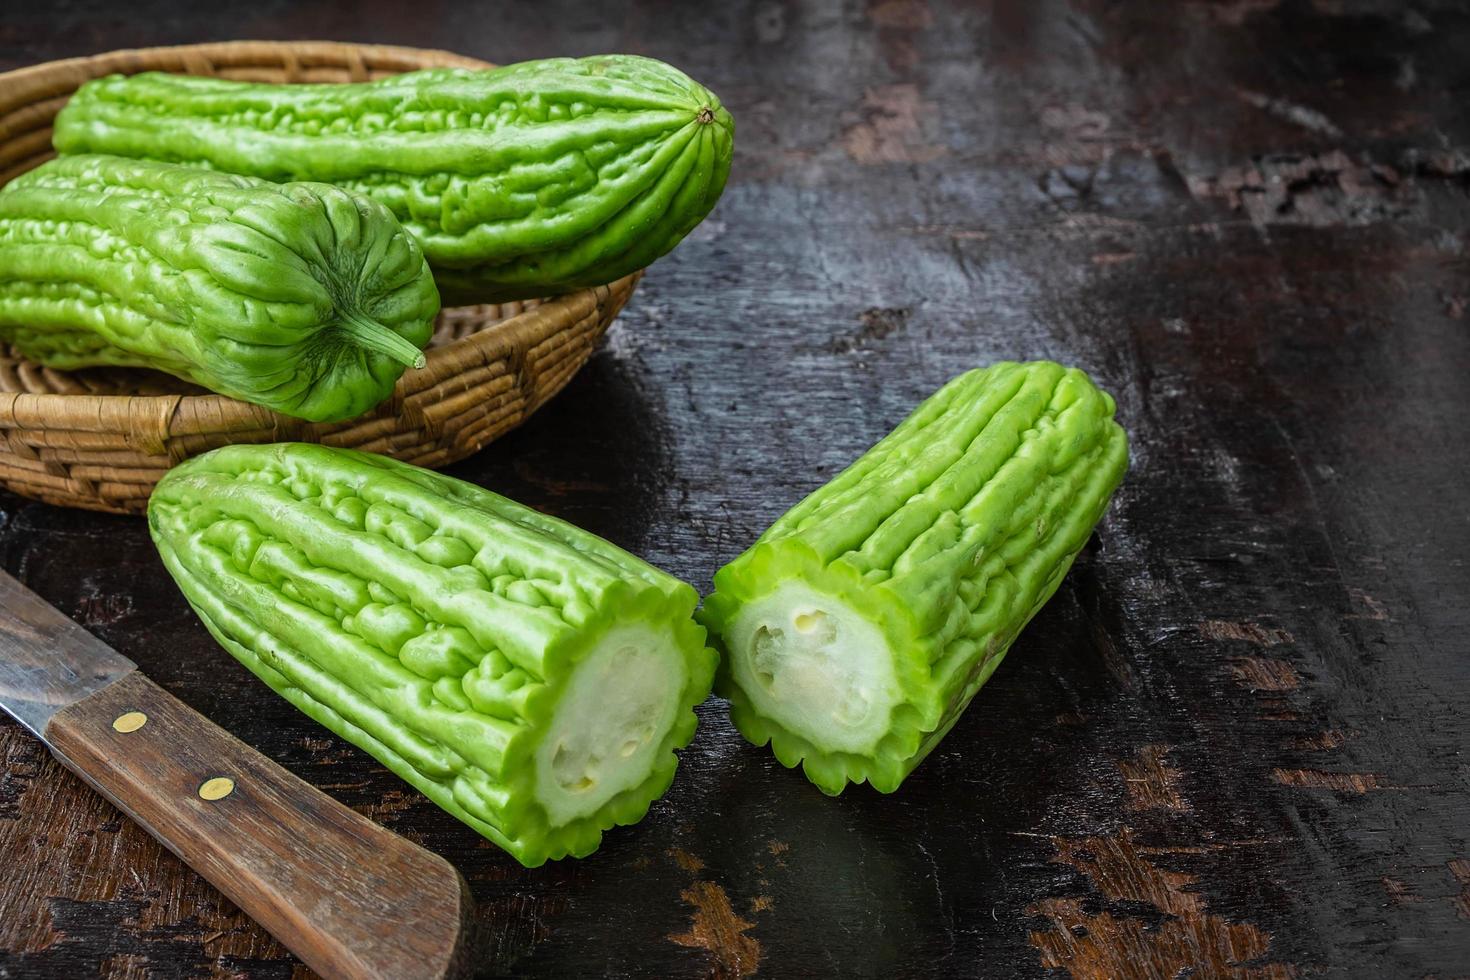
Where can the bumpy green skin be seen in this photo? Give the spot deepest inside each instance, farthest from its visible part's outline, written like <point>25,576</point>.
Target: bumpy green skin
<point>948,535</point>
<point>304,298</point>
<point>428,621</point>
<point>522,181</point>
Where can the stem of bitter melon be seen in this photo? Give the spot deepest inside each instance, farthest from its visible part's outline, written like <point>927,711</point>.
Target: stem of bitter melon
<point>375,336</point>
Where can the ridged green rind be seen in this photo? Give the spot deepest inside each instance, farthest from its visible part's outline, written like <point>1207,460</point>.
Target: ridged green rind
<point>521,181</point>
<point>949,535</point>
<point>430,622</point>
<point>252,289</point>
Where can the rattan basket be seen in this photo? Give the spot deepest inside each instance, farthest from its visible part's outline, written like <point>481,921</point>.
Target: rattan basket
<point>101,438</point>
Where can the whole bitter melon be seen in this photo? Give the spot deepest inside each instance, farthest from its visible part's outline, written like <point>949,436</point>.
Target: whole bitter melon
<point>521,181</point>
<point>304,298</point>
<point>860,625</point>
<point>530,678</point>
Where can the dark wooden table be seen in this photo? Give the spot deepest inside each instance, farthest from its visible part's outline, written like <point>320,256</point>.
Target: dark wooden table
<point>1233,744</point>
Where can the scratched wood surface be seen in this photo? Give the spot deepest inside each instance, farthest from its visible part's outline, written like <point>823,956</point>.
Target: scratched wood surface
<point>1234,743</point>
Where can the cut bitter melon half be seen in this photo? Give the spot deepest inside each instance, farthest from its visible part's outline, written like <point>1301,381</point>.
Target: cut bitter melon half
<point>529,677</point>
<point>861,624</point>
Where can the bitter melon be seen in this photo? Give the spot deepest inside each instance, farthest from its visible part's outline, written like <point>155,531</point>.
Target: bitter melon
<point>529,677</point>
<point>521,181</point>
<point>859,626</point>
<point>304,298</point>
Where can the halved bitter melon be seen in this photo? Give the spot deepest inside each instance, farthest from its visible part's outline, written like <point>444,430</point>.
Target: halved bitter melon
<point>529,677</point>
<point>860,625</point>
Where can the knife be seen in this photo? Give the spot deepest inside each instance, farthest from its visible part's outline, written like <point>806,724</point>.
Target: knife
<point>348,897</point>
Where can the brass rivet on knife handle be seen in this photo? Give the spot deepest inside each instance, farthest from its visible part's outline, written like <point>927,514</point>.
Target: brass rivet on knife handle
<point>129,722</point>
<point>216,788</point>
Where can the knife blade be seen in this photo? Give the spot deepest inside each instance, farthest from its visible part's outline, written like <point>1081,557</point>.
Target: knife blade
<point>348,897</point>
<point>47,661</point>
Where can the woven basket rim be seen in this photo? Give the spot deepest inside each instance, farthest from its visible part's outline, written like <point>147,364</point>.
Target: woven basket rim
<point>240,47</point>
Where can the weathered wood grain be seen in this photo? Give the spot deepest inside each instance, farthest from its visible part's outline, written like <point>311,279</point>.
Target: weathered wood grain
<point>1234,740</point>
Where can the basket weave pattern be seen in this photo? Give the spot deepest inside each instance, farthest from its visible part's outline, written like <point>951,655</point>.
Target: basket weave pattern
<point>101,438</point>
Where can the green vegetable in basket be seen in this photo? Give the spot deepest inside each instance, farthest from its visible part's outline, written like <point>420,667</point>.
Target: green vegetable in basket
<point>527,180</point>
<point>860,625</point>
<point>305,298</point>
<point>530,678</point>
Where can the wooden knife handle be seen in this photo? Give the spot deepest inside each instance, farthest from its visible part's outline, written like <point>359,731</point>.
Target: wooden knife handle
<point>348,897</point>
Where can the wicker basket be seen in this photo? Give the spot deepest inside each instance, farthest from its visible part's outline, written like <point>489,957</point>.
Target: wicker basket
<point>101,438</point>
